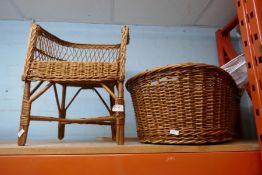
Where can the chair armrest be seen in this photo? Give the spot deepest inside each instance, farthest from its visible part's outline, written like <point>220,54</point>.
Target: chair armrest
<point>122,52</point>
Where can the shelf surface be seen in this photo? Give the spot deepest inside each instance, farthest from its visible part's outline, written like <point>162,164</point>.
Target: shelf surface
<point>106,146</point>
<point>103,156</point>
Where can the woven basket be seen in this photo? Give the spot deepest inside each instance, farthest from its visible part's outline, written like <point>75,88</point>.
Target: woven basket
<point>184,104</point>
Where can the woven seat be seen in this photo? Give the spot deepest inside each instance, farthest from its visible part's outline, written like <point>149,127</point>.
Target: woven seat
<point>87,66</point>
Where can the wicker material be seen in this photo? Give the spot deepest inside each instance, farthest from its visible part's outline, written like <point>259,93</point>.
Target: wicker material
<point>190,99</point>
<point>72,71</point>
<point>50,58</point>
<point>87,66</point>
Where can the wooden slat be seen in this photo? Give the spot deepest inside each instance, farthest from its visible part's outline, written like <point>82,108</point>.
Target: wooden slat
<point>36,87</point>
<point>97,120</point>
<point>103,146</point>
<point>41,92</point>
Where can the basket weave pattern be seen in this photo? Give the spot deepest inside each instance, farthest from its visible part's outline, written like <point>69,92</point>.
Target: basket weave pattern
<point>71,71</point>
<point>51,58</point>
<point>192,99</point>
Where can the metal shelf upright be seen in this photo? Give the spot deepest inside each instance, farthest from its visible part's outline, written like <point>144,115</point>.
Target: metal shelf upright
<point>249,16</point>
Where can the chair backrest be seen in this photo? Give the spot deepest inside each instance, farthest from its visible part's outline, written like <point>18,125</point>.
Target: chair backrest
<point>44,46</point>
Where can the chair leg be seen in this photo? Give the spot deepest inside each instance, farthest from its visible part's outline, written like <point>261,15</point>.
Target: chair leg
<point>113,127</point>
<point>120,115</point>
<point>25,115</point>
<point>120,129</point>
<point>62,114</point>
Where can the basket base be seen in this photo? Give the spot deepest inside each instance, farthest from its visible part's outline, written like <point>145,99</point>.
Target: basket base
<point>183,142</point>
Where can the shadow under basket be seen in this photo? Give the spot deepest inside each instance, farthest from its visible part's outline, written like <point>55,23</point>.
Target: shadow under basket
<point>184,104</point>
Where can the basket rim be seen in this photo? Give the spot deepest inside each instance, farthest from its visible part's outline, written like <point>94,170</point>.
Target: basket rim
<point>172,66</point>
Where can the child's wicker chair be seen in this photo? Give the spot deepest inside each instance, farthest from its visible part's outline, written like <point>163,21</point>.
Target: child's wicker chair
<point>88,66</point>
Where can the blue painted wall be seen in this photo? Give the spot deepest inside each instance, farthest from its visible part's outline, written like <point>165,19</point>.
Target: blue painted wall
<point>149,46</point>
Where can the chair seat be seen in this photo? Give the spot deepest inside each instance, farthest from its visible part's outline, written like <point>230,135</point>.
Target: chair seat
<point>87,84</point>
<point>72,71</point>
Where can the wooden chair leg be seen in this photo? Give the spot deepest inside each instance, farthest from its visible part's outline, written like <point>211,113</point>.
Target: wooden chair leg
<point>113,130</point>
<point>120,116</point>
<point>25,115</point>
<point>113,127</point>
<point>62,114</point>
<point>120,123</point>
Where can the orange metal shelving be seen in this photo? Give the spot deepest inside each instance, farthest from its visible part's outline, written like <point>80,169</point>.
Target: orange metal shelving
<point>212,163</point>
<point>249,16</point>
<point>225,49</point>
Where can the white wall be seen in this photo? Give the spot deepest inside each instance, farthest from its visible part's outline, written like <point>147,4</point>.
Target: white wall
<point>149,46</point>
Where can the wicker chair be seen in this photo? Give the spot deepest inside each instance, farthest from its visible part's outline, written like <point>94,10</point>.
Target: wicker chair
<point>87,66</point>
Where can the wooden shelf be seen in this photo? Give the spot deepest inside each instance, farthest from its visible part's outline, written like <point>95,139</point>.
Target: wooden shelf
<point>105,157</point>
<point>106,146</point>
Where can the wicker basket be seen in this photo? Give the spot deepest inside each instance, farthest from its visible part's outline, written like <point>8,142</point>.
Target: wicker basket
<point>184,104</point>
